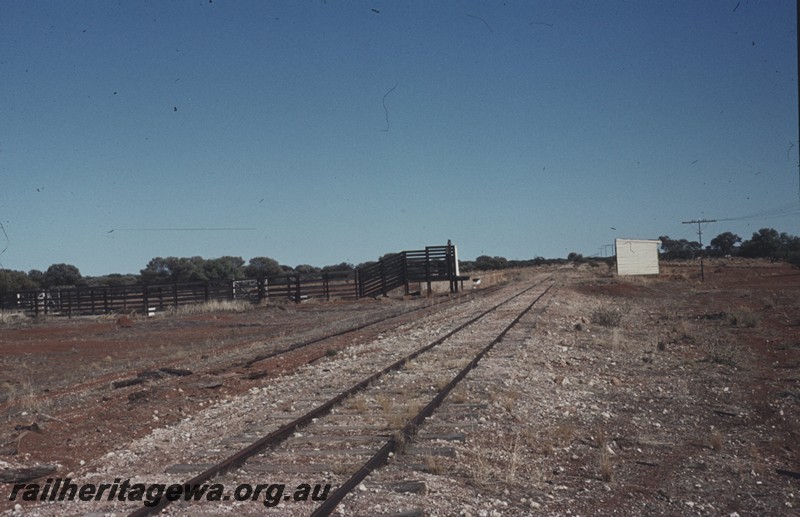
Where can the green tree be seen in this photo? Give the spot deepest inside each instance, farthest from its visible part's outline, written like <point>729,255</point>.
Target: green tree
<point>679,249</point>
<point>36,276</point>
<point>305,269</point>
<point>765,243</point>
<point>113,280</point>
<point>174,269</point>
<point>575,257</point>
<point>343,266</point>
<point>262,267</point>
<point>724,243</point>
<point>156,271</point>
<point>61,275</point>
<point>486,263</point>
<point>224,268</point>
<point>15,281</point>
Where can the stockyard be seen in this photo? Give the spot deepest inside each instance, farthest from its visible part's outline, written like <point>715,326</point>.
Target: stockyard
<point>544,391</point>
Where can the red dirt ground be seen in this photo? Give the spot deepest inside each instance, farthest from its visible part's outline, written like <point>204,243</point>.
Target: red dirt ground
<point>58,373</point>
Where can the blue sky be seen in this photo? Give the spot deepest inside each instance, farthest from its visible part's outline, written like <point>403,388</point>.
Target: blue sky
<point>327,131</point>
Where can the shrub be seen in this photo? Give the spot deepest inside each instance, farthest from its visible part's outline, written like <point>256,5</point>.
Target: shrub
<point>743,317</point>
<point>606,317</point>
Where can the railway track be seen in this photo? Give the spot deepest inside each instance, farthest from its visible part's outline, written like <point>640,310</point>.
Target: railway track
<point>227,357</point>
<point>392,318</point>
<point>340,437</point>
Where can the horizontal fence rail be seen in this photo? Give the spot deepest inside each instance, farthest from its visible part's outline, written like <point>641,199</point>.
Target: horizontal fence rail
<point>81,301</point>
<point>433,264</point>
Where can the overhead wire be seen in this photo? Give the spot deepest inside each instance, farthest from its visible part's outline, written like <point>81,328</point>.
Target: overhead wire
<point>8,241</point>
<point>778,211</point>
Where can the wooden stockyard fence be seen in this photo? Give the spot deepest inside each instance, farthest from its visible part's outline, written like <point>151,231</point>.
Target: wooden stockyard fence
<point>433,264</point>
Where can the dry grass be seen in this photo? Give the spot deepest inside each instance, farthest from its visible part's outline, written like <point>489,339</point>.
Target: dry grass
<point>359,403</point>
<point>9,317</point>
<point>563,433</point>
<point>385,402</point>
<point>756,460</point>
<point>645,280</point>
<point>716,440</point>
<point>509,401</point>
<point>684,331</point>
<point>398,419</point>
<point>213,306</point>
<point>743,317</point>
<point>434,465</point>
<point>771,301</point>
<point>480,469</point>
<point>606,317</point>
<point>599,437</point>
<point>400,442</point>
<point>516,454</point>
<point>6,392</point>
<point>441,383</point>
<point>720,354</point>
<point>503,459</point>
<point>605,466</point>
<point>342,469</point>
<point>458,395</point>
<point>617,344</point>
<point>25,397</point>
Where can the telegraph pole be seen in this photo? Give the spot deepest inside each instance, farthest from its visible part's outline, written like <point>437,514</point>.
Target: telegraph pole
<point>700,237</point>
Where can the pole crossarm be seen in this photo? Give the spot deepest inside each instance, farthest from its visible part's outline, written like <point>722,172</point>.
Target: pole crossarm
<point>698,221</point>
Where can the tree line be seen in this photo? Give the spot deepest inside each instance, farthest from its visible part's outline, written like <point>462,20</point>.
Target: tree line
<point>765,243</point>
<point>160,270</point>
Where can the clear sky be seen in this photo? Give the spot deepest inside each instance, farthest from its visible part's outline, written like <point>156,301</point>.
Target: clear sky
<point>318,132</point>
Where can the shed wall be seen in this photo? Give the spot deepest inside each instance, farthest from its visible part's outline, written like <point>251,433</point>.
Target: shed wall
<point>637,257</point>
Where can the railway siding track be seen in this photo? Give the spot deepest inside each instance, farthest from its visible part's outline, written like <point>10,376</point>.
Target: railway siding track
<point>210,437</point>
<point>230,352</point>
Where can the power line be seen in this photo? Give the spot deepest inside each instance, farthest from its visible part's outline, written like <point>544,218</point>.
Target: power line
<point>778,211</point>
<point>181,230</point>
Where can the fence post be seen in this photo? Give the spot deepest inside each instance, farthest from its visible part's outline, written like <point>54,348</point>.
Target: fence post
<point>449,267</point>
<point>357,283</point>
<point>383,277</point>
<point>145,299</point>
<point>405,271</point>
<point>260,287</point>
<point>428,270</point>
<point>326,286</point>
<point>297,283</point>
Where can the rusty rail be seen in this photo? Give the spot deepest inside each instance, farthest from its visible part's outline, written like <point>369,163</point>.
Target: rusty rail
<point>380,458</point>
<point>273,438</point>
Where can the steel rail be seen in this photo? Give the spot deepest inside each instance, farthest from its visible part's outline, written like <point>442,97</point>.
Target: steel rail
<point>381,457</point>
<point>309,342</point>
<point>238,458</point>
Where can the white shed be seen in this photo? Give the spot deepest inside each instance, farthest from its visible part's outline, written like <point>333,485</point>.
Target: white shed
<point>637,256</point>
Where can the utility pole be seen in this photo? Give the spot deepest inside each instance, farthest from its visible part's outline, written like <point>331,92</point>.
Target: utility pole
<point>700,237</point>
